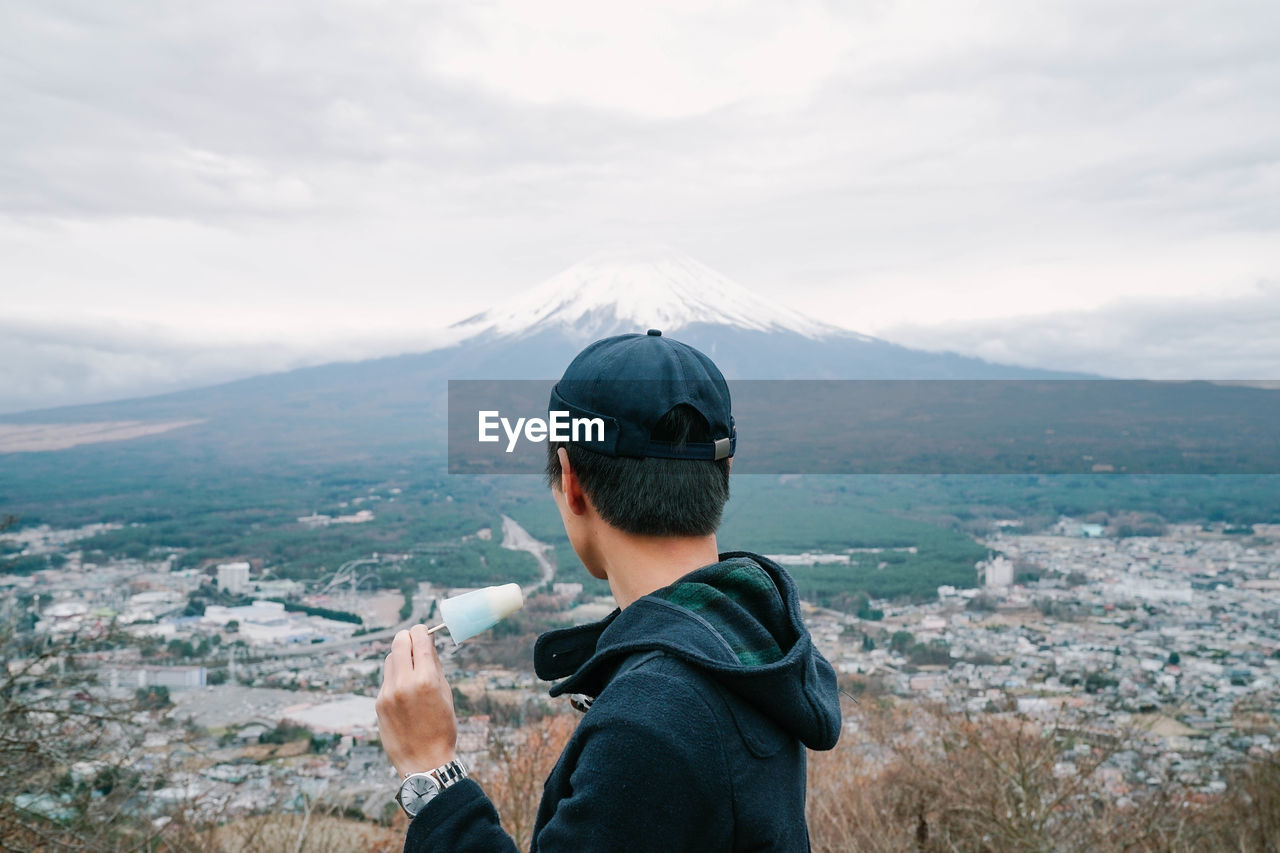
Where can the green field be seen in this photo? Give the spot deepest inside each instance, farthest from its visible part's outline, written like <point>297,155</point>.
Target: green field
<point>215,510</point>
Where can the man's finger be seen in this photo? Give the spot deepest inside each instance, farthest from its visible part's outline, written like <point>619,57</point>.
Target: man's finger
<point>400,660</point>
<point>424,647</point>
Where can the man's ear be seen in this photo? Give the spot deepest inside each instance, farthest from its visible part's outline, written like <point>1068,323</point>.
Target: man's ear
<point>574,497</point>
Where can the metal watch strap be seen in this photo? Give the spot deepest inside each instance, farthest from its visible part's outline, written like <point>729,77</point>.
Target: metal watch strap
<point>448,774</point>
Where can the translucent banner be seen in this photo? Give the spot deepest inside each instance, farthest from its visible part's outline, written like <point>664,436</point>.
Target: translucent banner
<point>918,426</point>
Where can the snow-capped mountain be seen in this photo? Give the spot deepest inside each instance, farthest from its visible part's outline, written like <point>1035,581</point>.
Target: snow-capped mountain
<point>633,289</point>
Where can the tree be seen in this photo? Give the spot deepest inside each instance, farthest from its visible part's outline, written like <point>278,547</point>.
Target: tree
<point>933,653</point>
<point>153,698</point>
<point>520,764</point>
<point>462,705</point>
<point>944,781</point>
<point>286,732</point>
<point>55,720</point>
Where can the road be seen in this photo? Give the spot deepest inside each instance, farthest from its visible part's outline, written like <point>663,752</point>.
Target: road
<point>516,538</point>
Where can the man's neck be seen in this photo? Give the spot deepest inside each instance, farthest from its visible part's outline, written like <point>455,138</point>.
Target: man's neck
<point>637,565</point>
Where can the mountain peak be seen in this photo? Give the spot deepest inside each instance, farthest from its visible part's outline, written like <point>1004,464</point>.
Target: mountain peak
<point>633,288</point>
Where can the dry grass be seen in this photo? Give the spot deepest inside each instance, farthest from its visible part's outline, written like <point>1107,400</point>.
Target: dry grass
<point>319,834</point>
<point>915,778</point>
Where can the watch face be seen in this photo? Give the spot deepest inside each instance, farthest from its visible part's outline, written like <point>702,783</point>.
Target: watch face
<point>416,792</point>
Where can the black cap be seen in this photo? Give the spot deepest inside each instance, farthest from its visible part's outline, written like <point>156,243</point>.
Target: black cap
<point>631,381</point>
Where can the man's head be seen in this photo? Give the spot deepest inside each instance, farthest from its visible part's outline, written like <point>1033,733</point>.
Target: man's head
<point>661,465</point>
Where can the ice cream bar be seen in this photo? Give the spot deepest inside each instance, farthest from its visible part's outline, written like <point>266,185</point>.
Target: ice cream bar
<point>472,612</point>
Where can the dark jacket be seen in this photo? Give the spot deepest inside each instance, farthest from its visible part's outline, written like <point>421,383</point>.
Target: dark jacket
<point>706,694</point>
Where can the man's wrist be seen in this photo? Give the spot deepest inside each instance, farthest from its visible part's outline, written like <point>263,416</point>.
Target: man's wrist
<point>425,764</point>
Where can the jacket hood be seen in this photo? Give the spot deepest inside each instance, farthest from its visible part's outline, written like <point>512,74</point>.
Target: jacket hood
<point>738,621</point>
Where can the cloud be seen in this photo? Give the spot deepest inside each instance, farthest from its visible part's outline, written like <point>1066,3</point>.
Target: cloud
<point>295,168</point>
<point>42,365</point>
<point>1205,338</point>
<point>660,59</point>
<point>52,364</point>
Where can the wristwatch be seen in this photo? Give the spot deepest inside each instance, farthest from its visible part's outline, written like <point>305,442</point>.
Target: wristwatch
<point>418,789</point>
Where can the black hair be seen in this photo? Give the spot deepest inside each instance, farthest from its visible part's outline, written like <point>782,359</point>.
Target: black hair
<point>652,497</point>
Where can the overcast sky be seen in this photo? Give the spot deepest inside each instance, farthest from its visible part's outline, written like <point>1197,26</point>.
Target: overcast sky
<point>195,191</point>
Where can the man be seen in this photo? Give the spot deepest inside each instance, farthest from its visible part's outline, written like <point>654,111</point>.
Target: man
<point>704,685</point>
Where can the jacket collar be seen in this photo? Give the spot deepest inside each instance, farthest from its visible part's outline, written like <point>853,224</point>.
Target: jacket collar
<point>562,652</point>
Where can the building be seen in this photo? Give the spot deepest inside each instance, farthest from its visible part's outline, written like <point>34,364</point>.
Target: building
<point>172,677</point>
<point>997,573</point>
<point>268,623</point>
<point>233,578</point>
<point>278,588</point>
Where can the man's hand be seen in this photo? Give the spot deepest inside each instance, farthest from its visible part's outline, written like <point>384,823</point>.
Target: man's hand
<point>415,705</point>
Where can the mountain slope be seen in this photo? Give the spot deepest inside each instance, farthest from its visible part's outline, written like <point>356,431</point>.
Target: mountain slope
<point>394,408</point>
